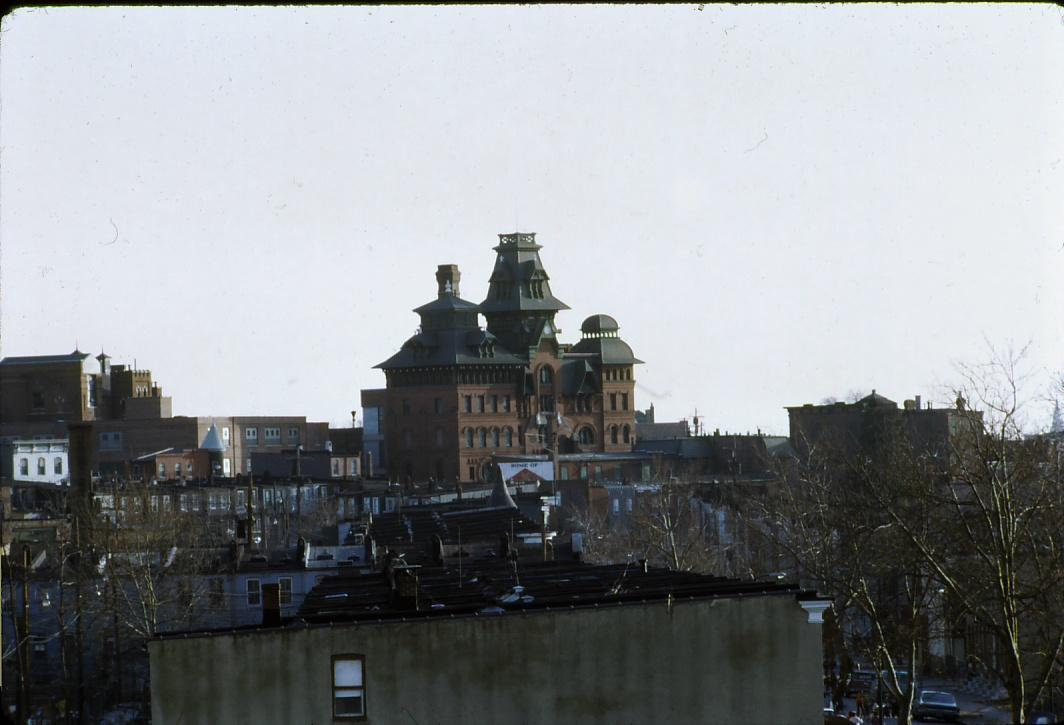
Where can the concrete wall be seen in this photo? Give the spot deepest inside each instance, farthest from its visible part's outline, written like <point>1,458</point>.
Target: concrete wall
<point>751,660</point>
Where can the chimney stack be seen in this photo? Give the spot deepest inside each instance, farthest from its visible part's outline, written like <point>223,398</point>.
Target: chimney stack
<point>80,468</point>
<point>448,277</point>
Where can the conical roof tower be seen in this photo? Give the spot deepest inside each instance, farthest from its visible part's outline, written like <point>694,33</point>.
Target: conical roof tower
<point>520,306</point>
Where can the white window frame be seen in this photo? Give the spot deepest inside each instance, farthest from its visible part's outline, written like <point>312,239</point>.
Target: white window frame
<point>253,595</point>
<point>349,678</point>
<point>281,581</point>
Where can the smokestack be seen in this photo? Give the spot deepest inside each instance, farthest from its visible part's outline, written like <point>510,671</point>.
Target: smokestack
<point>917,399</point>
<point>271,605</point>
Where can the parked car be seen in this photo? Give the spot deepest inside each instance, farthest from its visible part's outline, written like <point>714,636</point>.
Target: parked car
<point>1043,718</point>
<point>935,704</point>
<point>903,680</point>
<point>860,681</point>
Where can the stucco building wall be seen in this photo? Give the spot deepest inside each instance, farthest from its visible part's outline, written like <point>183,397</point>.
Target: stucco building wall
<point>751,660</point>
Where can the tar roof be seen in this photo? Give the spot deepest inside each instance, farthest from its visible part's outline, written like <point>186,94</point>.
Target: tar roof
<point>495,587</point>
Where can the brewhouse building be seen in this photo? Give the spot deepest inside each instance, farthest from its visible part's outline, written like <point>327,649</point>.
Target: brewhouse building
<point>459,395</point>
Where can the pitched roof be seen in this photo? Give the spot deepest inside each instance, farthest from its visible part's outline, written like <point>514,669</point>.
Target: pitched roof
<point>76,356</point>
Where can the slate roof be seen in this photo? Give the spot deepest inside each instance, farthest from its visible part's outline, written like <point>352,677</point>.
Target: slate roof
<point>599,323</point>
<point>518,262</point>
<point>488,588</point>
<point>578,377</point>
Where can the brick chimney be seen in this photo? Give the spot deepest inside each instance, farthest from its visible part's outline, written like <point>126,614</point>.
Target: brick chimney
<point>448,277</point>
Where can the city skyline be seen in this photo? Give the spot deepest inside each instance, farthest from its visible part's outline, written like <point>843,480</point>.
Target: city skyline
<point>777,205</point>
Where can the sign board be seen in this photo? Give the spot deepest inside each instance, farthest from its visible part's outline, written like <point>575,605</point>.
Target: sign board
<point>527,471</point>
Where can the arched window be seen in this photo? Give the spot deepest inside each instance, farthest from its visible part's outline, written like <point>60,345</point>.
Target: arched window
<point>508,437</point>
<point>58,465</point>
<point>495,437</point>
<point>587,436</point>
<point>469,438</point>
<point>627,434</point>
<point>483,438</point>
<point>40,467</point>
<point>613,434</point>
<point>546,375</point>
<point>24,467</point>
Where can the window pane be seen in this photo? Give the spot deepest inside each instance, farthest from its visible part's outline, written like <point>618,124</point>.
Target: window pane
<point>348,703</point>
<point>347,673</point>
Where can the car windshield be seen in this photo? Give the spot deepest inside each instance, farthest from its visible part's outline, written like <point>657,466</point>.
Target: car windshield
<point>938,698</point>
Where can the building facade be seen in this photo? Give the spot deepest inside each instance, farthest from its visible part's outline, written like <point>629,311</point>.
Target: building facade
<point>42,460</point>
<point>867,424</point>
<point>58,389</point>
<point>459,394</point>
<point>567,645</point>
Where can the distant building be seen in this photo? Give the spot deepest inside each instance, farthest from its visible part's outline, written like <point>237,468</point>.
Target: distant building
<point>120,442</point>
<point>457,394</point>
<point>548,642</point>
<point>57,389</point>
<point>850,427</point>
<point>37,460</point>
<point>41,395</point>
<point>647,427</point>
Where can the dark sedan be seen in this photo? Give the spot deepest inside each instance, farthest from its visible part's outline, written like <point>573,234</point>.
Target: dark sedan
<point>939,705</point>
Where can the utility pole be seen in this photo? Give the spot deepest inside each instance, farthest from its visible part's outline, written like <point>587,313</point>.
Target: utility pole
<point>114,621</point>
<point>78,629</point>
<point>2,605</point>
<point>24,641</point>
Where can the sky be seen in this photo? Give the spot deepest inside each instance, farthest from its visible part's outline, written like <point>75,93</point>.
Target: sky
<point>778,204</point>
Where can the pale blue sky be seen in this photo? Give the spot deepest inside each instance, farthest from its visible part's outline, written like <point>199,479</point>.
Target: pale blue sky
<point>778,204</point>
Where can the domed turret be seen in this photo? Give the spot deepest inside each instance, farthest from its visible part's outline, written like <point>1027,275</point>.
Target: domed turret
<point>600,325</point>
<point>600,337</point>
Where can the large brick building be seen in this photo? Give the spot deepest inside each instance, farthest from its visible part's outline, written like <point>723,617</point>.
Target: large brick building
<point>41,395</point>
<point>458,395</point>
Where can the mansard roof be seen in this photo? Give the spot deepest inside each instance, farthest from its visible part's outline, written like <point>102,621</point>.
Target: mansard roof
<point>578,377</point>
<point>517,265</point>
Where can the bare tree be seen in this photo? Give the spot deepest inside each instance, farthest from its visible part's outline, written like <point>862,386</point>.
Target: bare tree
<point>996,537</point>
<point>839,540</point>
